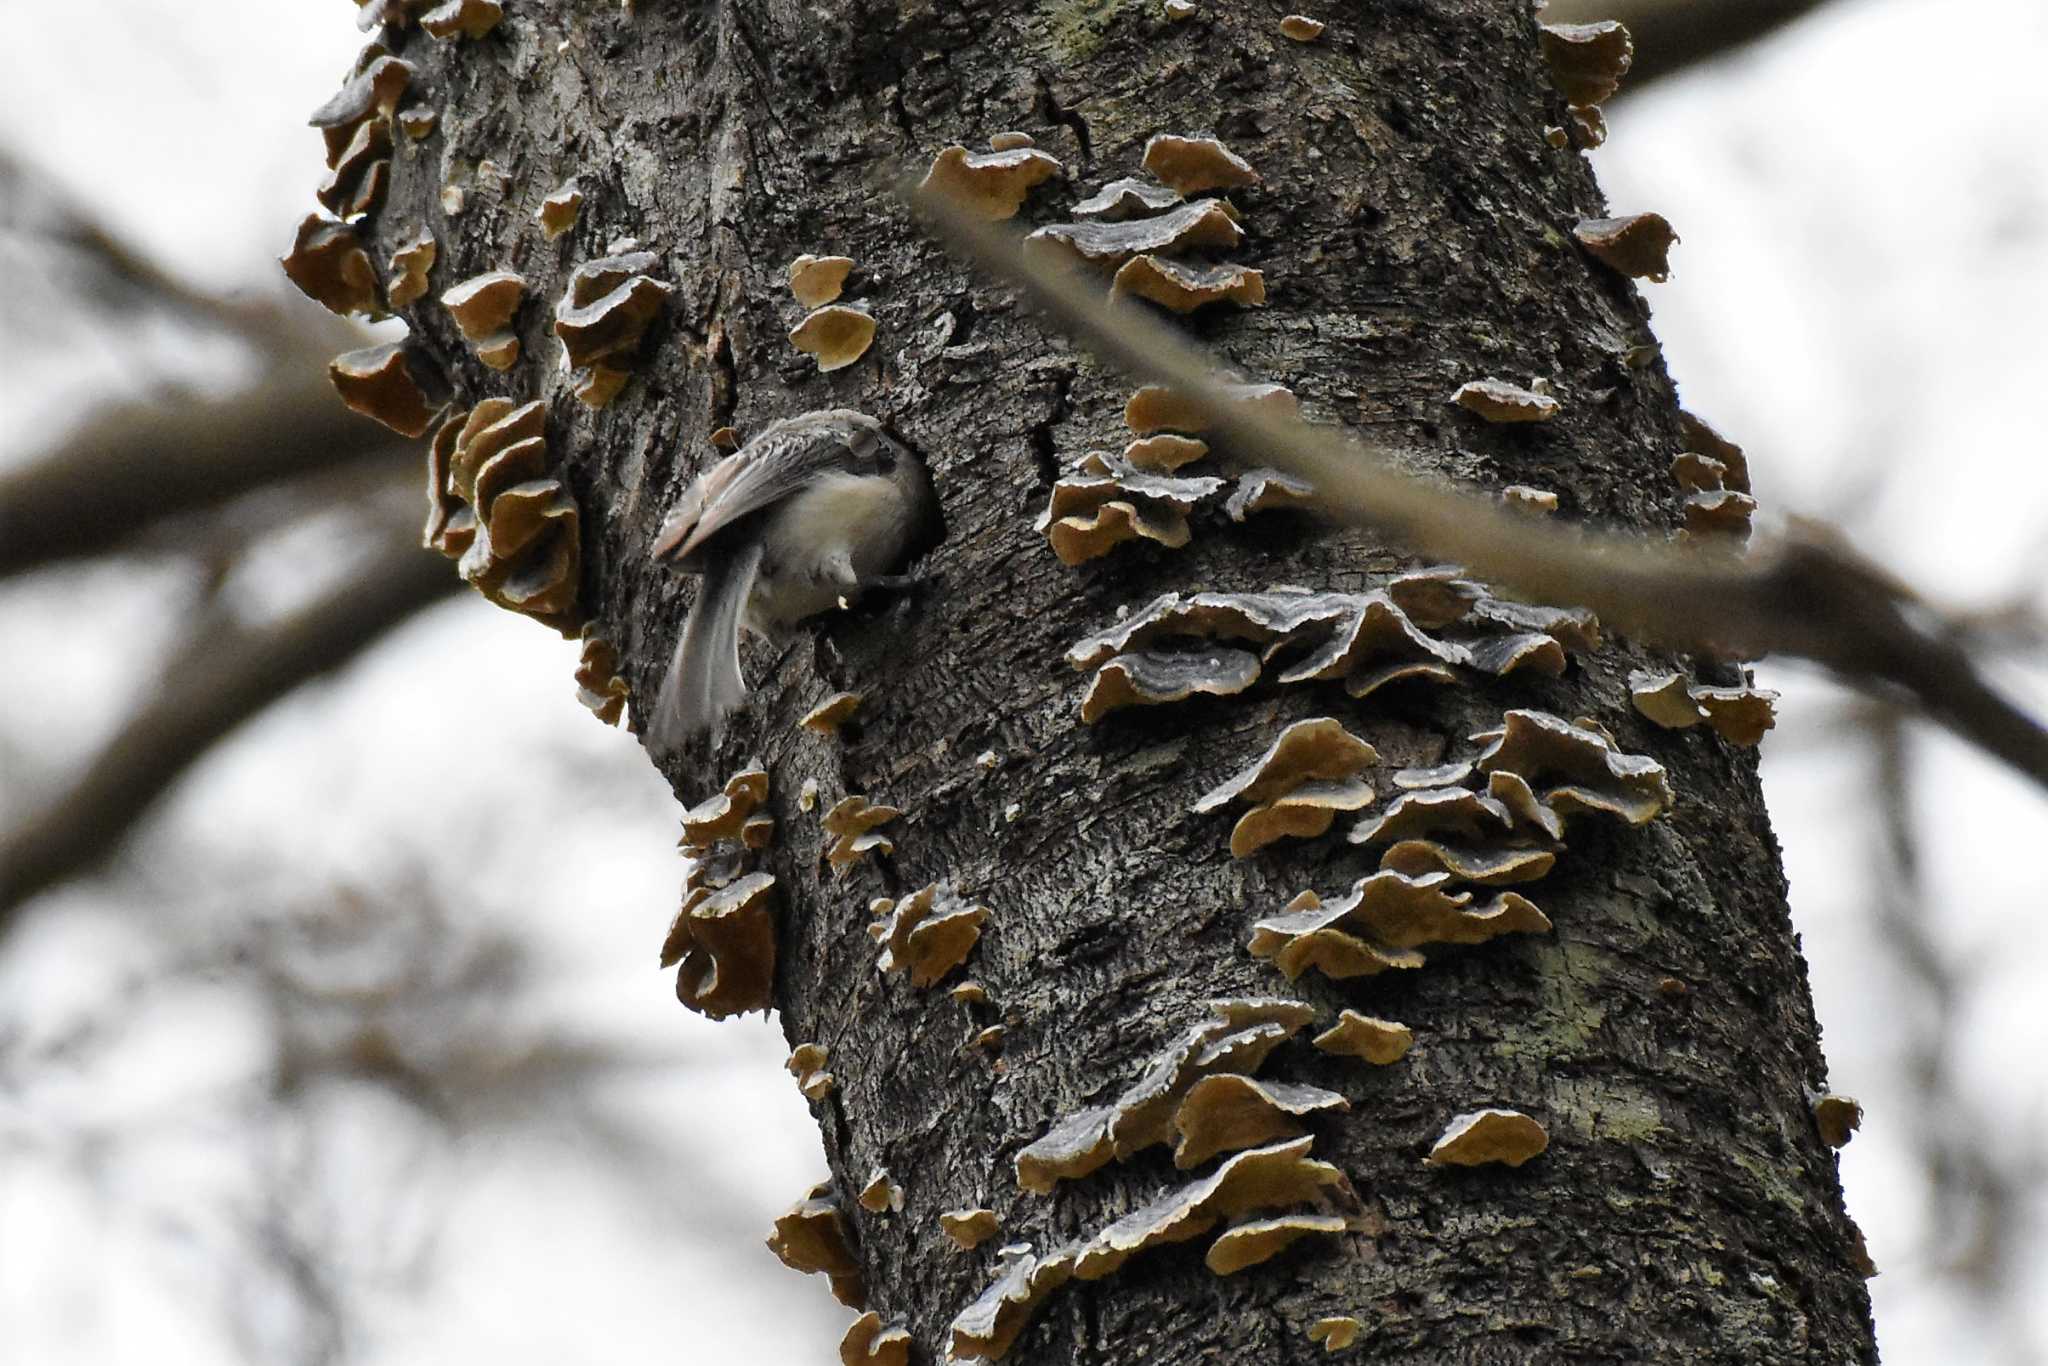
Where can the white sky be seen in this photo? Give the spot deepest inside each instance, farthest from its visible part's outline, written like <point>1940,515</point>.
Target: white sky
<point>1864,206</point>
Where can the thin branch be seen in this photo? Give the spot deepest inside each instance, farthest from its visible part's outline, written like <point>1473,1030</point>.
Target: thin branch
<point>1808,595</point>
<point>222,676</point>
<point>1676,35</point>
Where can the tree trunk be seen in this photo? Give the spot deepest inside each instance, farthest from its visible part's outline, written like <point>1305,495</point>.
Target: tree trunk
<point>1414,230</point>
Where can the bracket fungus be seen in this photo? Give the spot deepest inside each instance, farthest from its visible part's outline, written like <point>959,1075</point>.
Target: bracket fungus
<point>989,1326</point>
<point>1260,1240</point>
<point>1529,499</point>
<point>1130,197</point>
<point>1199,226</point>
<point>558,212</point>
<point>358,174</point>
<point>1430,811</point>
<point>1698,473</point>
<point>807,1064</point>
<point>1297,787</point>
<point>835,336</point>
<point>608,307</point>
<point>1280,1176</point>
<point>1152,678</point>
<point>1228,1112</point>
<point>378,382</point>
<point>1718,513</point>
<point>1300,28</point>
<point>1268,490</point>
<point>1087,515</point>
<point>1705,441</point>
<point>1078,1145</point>
<point>513,530</point>
<point>1183,287</point>
<point>483,307</point>
<point>1335,1333</point>
<point>1837,1117</point>
<point>410,262</point>
<point>868,1343</point>
<point>1498,401</point>
<point>1587,60</point>
<point>328,264</point>
<point>851,823</point>
<point>988,185</point>
<point>1388,913</point>
<point>810,1237</point>
<point>835,711</point>
<point>818,280</point>
<point>1191,165</point>
<point>723,814</point>
<point>883,1194</point>
<point>969,1228</point>
<point>1374,632</point>
<point>1163,453</point>
<point>1638,244</point>
<point>1377,1041</point>
<point>1437,597</point>
<point>930,932</point>
<point>1597,775</point>
<point>729,967</point>
<point>1482,1136</point>
<point>1738,715</point>
<point>1487,866</point>
<point>1157,407</point>
<point>380,80</point>
<point>470,19</point>
<point>598,685</point>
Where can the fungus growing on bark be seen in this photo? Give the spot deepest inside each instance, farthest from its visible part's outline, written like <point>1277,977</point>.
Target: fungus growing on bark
<point>453,200</point>
<point>1242,1012</point>
<point>1387,914</point>
<point>1524,498</point>
<point>807,1064</point>
<point>990,1038</point>
<point>1698,473</point>
<point>835,711</point>
<point>969,994</point>
<point>1183,287</point>
<point>1512,791</point>
<point>1363,1036</point>
<point>1739,715</point>
<point>1256,618</point>
<point>1638,244</point>
<point>882,1194</point>
<point>1587,60</point>
<point>1453,810</point>
<point>969,1228</point>
<point>867,1343</point>
<point>1259,1240</point>
<point>378,382</point>
<point>1665,699</point>
<point>1077,1146</point>
<point>1597,776</point>
<point>1087,515</point>
<point>410,262</point>
<point>1591,123</point>
<point>418,122</point>
<point>1179,10</point>
<point>355,182</point>
<point>851,823</point>
<point>988,185</point>
<point>1483,1136</point>
<point>818,280</point>
<point>1296,942</point>
<point>1300,28</point>
<point>1155,407</point>
<point>930,932</point>
<point>1498,401</point>
<point>730,966</point>
<point>1163,453</point>
<point>989,1327</point>
<point>470,19</point>
<point>1191,165</point>
<point>1441,775</point>
<point>608,306</point>
<point>1376,632</point>
<point>1268,490</point>
<point>1838,1117</point>
<point>483,307</point>
<point>1315,750</point>
<point>328,264</point>
<point>1336,1333</point>
<point>1227,1112</point>
<point>1152,678</point>
<point>1704,440</point>
<point>374,90</point>
<point>597,385</point>
<point>1304,813</point>
<point>836,336</point>
<point>721,815</point>
<point>1010,140</point>
<point>558,212</point>
<point>811,1237</point>
<point>1719,512</point>
<point>598,685</point>
<point>1130,197</point>
<point>1281,1176</point>
<point>1201,225</point>
<point>1437,597</point>
<point>1489,866</point>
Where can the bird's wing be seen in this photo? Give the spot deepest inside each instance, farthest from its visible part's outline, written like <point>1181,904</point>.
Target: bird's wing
<point>771,467</point>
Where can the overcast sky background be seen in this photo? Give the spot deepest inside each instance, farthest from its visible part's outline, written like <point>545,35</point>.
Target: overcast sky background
<point>1858,299</point>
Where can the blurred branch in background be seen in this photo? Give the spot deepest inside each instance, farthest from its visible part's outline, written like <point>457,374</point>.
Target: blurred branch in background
<point>1676,35</point>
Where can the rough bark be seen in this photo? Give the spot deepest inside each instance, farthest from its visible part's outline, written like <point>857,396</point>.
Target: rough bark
<point>1414,228</point>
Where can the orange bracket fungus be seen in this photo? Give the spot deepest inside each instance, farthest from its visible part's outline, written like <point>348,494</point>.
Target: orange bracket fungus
<point>1498,401</point>
<point>1183,287</point>
<point>482,307</point>
<point>807,1064</point>
<point>1297,786</point>
<point>835,711</point>
<point>1703,440</point>
<point>969,1228</point>
<point>1267,490</point>
<point>1738,715</point>
<point>357,176</point>
<point>557,213</point>
<point>882,1194</point>
<point>988,185</point>
<point>1191,165</point>
<point>1300,28</point>
<point>930,932</point>
<point>410,262</point>
<point>1130,197</point>
<point>598,685</point>
<point>811,1237</point>
<point>470,19</point>
<point>722,815</point>
<point>1156,407</point>
<point>1087,515</point>
<point>602,317</point>
<point>1335,1333</point>
<point>817,280</point>
<point>1587,60</point>
<point>851,824</point>
<point>374,91</point>
<point>1837,1117</point>
<point>1377,1041</point>
<point>1227,1112</point>
<point>1163,453</point>
<point>1260,1240</point>
<point>835,336</point>
<point>1597,776</point>
<point>1201,225</point>
<point>987,1328</point>
<point>1483,1136</point>
<point>328,264</point>
<point>729,967</point>
<point>379,382</point>
<point>1637,245</point>
<point>867,1343</point>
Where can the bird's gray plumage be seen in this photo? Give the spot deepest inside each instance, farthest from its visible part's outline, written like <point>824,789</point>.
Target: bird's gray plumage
<point>798,519</point>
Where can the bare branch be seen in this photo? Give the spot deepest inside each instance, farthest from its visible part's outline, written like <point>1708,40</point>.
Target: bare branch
<point>222,676</point>
<point>1676,35</point>
<point>1808,595</point>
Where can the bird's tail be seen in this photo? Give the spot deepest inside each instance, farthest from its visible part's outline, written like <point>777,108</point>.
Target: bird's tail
<point>704,680</point>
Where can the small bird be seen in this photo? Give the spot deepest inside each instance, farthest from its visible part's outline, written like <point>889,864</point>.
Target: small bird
<point>798,521</point>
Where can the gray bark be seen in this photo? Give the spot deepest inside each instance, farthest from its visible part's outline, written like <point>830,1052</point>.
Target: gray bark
<point>1414,229</point>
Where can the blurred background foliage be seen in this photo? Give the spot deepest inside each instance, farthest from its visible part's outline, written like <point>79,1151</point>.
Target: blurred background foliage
<point>329,1023</point>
